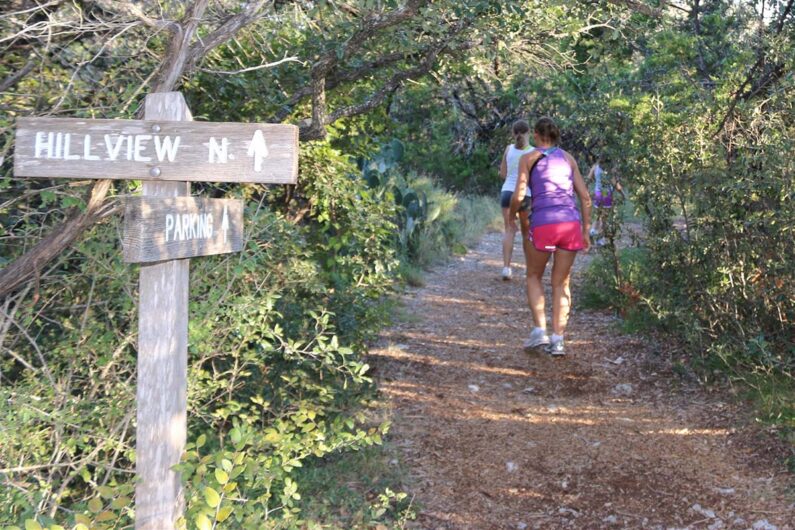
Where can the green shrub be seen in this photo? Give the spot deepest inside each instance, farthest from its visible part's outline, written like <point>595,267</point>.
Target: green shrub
<point>433,223</point>
<point>601,289</point>
<point>277,374</point>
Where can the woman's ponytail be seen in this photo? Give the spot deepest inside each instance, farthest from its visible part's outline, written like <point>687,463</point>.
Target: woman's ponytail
<point>520,129</point>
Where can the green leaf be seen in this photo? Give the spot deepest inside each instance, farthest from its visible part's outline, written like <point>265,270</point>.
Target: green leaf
<point>121,502</point>
<point>106,492</point>
<point>32,524</point>
<point>221,476</point>
<point>47,197</point>
<point>95,505</point>
<point>224,513</point>
<point>202,522</point>
<point>235,435</point>
<point>200,441</point>
<point>272,436</point>
<point>212,497</point>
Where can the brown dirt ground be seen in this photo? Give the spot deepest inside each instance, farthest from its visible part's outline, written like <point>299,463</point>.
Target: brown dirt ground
<point>494,438</point>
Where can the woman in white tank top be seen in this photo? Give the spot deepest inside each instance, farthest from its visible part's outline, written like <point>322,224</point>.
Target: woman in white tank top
<point>509,171</point>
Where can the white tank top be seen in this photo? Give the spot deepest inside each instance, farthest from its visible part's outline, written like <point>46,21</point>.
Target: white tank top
<point>512,156</point>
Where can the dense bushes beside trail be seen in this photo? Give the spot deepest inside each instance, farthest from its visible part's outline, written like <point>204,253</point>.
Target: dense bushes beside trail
<point>434,223</point>
<point>720,237</point>
<point>277,369</point>
<point>278,376</point>
<point>716,201</point>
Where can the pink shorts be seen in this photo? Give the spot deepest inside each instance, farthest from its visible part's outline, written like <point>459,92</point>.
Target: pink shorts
<point>566,236</point>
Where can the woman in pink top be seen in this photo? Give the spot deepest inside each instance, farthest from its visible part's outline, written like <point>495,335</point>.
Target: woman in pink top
<point>557,226</point>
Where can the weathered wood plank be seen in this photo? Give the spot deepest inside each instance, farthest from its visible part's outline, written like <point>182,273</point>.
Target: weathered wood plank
<point>162,385</point>
<point>158,229</point>
<point>156,149</point>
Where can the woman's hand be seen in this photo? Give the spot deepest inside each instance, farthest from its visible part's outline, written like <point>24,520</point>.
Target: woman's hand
<point>513,224</point>
<point>586,239</point>
<point>523,180</point>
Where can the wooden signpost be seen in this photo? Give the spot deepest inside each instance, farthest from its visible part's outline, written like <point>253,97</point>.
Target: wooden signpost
<point>162,228</point>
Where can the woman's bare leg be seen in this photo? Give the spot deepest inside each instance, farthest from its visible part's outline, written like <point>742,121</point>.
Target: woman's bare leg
<point>561,292</point>
<point>508,236</point>
<point>536,263</point>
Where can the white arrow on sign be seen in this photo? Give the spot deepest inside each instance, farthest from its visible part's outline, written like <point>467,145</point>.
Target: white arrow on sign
<point>225,223</point>
<point>258,149</point>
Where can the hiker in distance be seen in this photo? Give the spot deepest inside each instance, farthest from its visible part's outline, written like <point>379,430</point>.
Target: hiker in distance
<point>557,227</point>
<point>605,182</point>
<point>509,171</point>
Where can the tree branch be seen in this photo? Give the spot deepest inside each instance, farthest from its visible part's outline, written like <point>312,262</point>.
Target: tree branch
<point>309,131</point>
<point>336,78</point>
<point>27,266</point>
<point>252,68</point>
<point>17,76</point>
<point>317,128</point>
<point>783,18</point>
<point>372,24</point>
<point>634,5</point>
<point>224,32</point>
<point>772,75</point>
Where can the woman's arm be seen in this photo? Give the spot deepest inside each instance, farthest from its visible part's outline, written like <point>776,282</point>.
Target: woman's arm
<point>585,200</point>
<point>619,188</point>
<point>525,165</point>
<point>504,165</point>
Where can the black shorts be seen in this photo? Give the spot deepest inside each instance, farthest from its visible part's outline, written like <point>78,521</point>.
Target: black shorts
<point>505,201</point>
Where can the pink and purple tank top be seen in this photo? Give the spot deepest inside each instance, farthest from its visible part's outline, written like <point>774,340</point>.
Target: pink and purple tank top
<point>552,184</point>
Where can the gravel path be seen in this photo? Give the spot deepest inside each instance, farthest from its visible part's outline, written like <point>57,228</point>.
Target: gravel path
<point>607,437</point>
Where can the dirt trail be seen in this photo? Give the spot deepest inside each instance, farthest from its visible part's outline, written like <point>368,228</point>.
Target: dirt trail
<point>607,437</point>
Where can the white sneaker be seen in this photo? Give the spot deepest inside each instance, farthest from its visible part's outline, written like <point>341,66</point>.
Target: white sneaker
<point>506,273</point>
<point>556,348</point>
<point>538,337</point>
<point>592,232</point>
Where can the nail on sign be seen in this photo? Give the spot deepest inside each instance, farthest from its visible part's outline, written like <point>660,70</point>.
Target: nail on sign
<point>155,150</point>
<point>158,229</point>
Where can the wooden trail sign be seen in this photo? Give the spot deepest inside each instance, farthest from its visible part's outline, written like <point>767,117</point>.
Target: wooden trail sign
<point>158,229</point>
<point>165,150</point>
<point>156,149</point>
